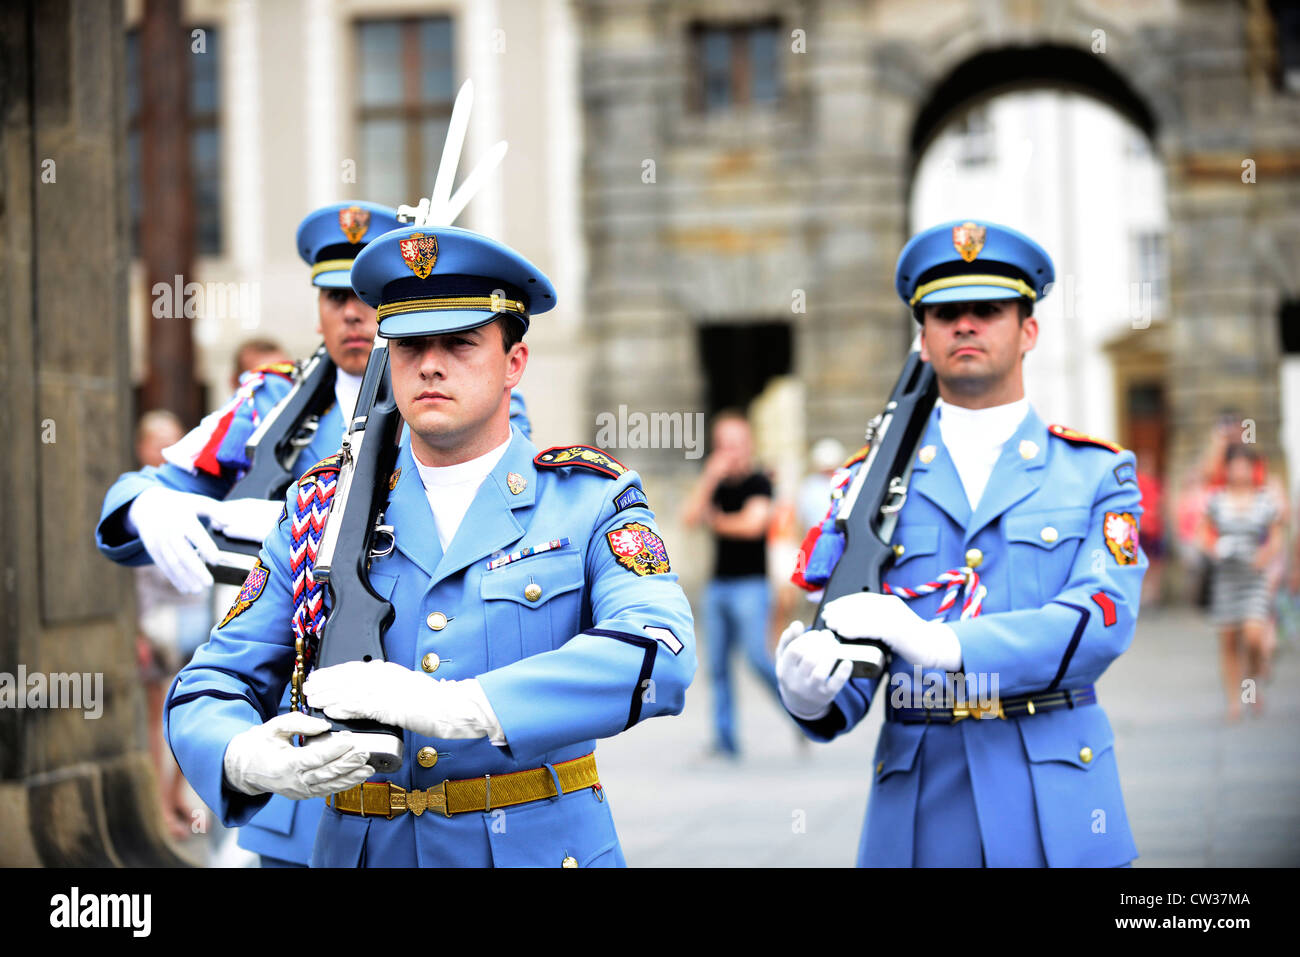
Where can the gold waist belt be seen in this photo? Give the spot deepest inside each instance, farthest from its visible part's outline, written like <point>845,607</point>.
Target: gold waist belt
<point>385,799</point>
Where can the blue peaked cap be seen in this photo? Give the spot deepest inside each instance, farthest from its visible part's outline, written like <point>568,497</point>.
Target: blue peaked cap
<point>329,239</point>
<point>971,261</point>
<point>428,280</point>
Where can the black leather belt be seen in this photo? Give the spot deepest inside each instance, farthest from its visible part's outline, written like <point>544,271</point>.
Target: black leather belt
<point>1016,706</point>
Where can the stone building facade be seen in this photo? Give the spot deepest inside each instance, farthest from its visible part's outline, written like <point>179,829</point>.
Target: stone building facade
<point>698,217</point>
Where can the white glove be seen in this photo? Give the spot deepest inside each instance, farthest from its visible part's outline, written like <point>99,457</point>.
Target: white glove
<point>248,519</point>
<point>806,673</point>
<point>930,644</point>
<point>393,695</point>
<point>262,759</point>
<point>167,522</point>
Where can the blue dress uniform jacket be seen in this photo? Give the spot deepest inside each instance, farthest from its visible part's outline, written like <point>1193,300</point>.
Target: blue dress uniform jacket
<point>1061,605</point>
<point>601,648</point>
<point>285,828</point>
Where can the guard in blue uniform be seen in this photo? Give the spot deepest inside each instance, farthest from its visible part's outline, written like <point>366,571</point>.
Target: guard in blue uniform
<point>1016,583</point>
<point>155,514</point>
<point>536,609</point>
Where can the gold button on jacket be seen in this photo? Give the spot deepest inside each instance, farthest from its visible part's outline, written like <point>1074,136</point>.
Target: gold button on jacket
<point>533,592</point>
<point>427,757</point>
<point>1049,534</point>
<point>430,662</point>
<point>1085,755</point>
<point>569,862</point>
<point>973,557</point>
<point>437,620</point>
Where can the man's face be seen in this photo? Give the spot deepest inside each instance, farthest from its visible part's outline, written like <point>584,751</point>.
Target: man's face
<point>149,447</point>
<point>348,326</point>
<point>975,346</point>
<point>1240,471</point>
<point>733,442</point>
<point>449,387</point>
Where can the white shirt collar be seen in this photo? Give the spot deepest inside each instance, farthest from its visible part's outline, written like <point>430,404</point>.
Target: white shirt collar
<point>987,428</point>
<point>462,473</point>
<point>346,389</point>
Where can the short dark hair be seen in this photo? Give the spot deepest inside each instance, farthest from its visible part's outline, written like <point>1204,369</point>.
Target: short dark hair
<point>512,331</point>
<point>1238,451</point>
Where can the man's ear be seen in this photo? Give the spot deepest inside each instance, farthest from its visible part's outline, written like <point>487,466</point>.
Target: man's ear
<point>925,353</point>
<point>1028,334</point>
<point>320,304</point>
<point>516,362</point>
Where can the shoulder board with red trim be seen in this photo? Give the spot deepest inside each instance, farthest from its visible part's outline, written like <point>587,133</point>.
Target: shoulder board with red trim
<point>330,463</point>
<point>583,456</point>
<point>1083,438</point>
<point>857,456</point>
<point>286,369</point>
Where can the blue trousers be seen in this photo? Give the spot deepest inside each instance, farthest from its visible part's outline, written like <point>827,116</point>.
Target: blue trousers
<point>736,613</point>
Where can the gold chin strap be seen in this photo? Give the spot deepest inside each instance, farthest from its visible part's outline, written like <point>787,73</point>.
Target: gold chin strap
<point>488,303</point>
<point>948,282</point>
<point>331,265</point>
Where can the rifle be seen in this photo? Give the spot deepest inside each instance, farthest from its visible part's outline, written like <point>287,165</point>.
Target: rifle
<point>272,451</point>
<point>869,511</point>
<point>359,617</point>
<point>354,534</point>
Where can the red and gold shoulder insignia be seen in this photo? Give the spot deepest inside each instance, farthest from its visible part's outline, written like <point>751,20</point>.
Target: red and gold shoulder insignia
<point>331,463</point>
<point>1082,438</point>
<point>857,456</point>
<point>249,593</point>
<point>286,369</point>
<point>583,456</point>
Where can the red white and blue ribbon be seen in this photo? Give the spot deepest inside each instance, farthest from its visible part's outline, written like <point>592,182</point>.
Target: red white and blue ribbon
<point>311,508</point>
<point>219,440</point>
<point>962,580</point>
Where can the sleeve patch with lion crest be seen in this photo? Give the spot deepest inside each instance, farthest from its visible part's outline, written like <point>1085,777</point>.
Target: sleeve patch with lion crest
<point>1121,532</point>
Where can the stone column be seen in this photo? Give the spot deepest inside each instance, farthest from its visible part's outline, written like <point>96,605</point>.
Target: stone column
<point>75,790</point>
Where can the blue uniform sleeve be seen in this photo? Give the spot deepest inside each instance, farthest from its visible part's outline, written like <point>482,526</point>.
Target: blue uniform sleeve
<point>1073,638</point>
<point>634,662</point>
<point>111,535</point>
<point>849,707</point>
<point>235,680</point>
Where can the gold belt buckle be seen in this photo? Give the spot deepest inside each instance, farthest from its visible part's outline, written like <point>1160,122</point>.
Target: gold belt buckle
<point>975,711</point>
<point>430,799</point>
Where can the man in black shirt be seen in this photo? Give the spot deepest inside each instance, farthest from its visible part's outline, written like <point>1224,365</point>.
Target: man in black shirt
<point>734,500</point>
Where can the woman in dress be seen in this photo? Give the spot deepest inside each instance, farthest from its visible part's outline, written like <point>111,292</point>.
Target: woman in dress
<point>1242,533</point>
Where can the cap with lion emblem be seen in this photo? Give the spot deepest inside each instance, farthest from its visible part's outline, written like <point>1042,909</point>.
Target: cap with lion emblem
<point>329,238</point>
<point>971,261</point>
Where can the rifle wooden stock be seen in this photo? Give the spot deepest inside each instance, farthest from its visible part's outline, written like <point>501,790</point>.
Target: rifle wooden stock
<point>272,452</point>
<point>872,501</point>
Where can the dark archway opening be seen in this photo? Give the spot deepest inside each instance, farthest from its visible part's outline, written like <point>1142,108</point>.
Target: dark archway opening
<point>739,359</point>
<point>992,72</point>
